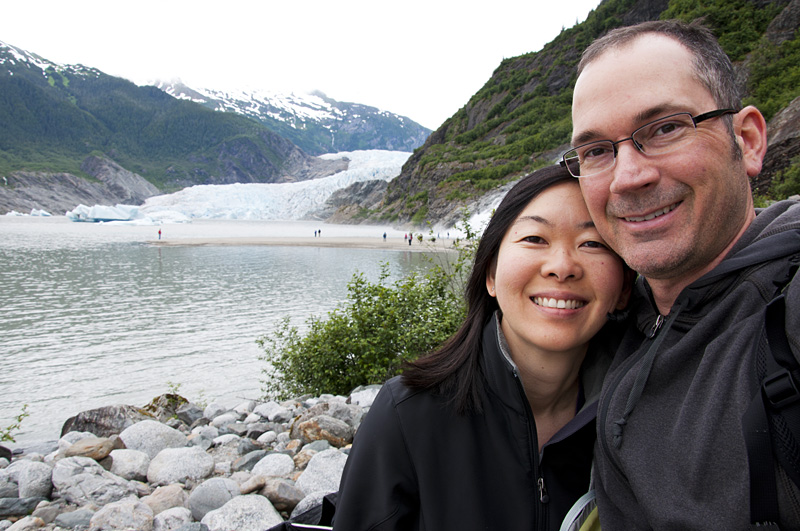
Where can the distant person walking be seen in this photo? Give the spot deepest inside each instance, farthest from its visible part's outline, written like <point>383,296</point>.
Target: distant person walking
<point>315,234</point>
<point>159,234</point>
<point>384,236</point>
<point>410,237</point>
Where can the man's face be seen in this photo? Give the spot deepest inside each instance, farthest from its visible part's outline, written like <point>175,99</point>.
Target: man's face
<point>669,216</point>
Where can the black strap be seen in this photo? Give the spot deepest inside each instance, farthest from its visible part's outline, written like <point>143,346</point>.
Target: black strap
<point>778,401</point>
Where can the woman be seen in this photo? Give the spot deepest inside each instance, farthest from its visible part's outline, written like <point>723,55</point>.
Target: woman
<point>495,429</point>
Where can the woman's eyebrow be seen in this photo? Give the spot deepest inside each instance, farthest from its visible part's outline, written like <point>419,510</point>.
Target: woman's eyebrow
<point>544,221</point>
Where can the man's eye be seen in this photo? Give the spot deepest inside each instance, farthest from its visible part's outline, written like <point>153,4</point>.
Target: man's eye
<point>595,152</point>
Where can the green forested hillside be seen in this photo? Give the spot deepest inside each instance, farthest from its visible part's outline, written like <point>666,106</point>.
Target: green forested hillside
<point>52,119</point>
<point>521,119</point>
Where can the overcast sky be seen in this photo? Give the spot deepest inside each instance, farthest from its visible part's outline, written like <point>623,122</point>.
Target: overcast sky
<point>419,58</point>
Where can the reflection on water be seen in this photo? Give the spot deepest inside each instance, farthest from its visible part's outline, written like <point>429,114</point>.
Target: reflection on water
<point>94,316</point>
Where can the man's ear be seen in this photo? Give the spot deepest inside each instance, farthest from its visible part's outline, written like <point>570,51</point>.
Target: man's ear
<point>628,279</point>
<point>751,133</point>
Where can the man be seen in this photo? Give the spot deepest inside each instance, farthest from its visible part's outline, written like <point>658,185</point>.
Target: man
<point>664,151</point>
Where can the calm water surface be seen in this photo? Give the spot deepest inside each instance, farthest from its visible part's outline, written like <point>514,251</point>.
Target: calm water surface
<point>93,315</point>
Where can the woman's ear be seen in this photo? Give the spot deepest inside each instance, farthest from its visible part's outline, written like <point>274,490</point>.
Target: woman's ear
<point>490,278</point>
<point>628,279</point>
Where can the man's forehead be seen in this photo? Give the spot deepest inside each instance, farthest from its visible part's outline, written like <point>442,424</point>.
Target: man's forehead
<point>631,84</point>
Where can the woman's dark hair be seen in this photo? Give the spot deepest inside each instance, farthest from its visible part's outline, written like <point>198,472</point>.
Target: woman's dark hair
<point>454,369</point>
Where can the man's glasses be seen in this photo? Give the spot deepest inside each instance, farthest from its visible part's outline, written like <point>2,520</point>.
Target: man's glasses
<point>659,137</point>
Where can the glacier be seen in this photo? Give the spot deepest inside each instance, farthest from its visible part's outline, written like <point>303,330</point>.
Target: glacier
<point>273,202</point>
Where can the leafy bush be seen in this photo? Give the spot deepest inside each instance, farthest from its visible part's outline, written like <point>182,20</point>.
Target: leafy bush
<point>366,340</point>
<point>6,434</point>
<point>787,182</point>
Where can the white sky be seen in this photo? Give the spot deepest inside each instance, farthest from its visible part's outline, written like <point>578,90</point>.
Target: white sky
<point>419,58</point>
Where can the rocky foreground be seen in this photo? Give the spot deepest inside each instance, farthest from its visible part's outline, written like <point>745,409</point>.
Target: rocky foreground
<point>174,466</point>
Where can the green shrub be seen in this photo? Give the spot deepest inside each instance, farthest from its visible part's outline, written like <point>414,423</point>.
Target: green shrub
<point>787,182</point>
<point>6,434</point>
<point>367,339</point>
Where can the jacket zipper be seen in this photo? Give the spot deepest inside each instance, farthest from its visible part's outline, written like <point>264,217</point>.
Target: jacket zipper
<point>602,414</point>
<point>533,451</point>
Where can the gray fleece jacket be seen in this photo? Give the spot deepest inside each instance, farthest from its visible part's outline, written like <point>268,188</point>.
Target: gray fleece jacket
<point>670,452</point>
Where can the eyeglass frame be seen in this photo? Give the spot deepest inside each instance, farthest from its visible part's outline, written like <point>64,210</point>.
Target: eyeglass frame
<point>695,120</point>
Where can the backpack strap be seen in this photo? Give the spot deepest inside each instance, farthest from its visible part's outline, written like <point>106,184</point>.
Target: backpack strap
<point>771,424</point>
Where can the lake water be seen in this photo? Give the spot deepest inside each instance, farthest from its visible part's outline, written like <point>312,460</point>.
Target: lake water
<point>93,315</point>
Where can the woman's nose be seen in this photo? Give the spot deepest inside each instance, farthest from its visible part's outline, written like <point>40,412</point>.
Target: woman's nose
<point>562,265</point>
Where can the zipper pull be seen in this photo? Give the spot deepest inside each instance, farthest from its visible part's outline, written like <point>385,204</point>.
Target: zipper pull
<point>543,496</point>
<point>656,327</point>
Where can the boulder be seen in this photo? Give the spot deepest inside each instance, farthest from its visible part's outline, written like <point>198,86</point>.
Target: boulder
<point>96,448</point>
<point>324,427</point>
<point>130,464</point>
<point>278,465</point>
<point>105,421</point>
<point>210,495</point>
<point>176,465</point>
<point>80,480</point>
<point>151,437</point>
<point>125,514</point>
<point>172,519</point>
<point>165,498</point>
<point>243,513</point>
<point>323,473</point>
<point>35,480</point>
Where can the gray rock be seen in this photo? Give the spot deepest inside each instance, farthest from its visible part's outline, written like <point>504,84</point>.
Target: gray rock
<point>243,513</point>
<point>18,506</point>
<point>309,502</point>
<point>196,526</point>
<point>213,410</point>
<point>317,446</point>
<point>245,407</point>
<point>35,480</point>
<point>175,518</point>
<point>8,485</point>
<point>70,438</point>
<point>80,480</point>
<point>188,413</point>
<point>210,495</point>
<point>176,465</point>
<point>150,437</point>
<point>5,524</point>
<point>273,412</point>
<point>165,498</point>
<point>364,396</point>
<point>29,523</point>
<point>75,519</point>
<point>105,421</point>
<point>130,464</point>
<point>278,465</point>
<point>323,473</point>
<point>337,432</point>
<point>48,511</point>
<point>268,437</point>
<point>224,419</point>
<point>283,494</point>
<point>246,446</point>
<point>248,461</point>
<point>125,514</point>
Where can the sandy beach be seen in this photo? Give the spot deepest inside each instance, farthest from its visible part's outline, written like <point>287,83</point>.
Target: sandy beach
<point>395,244</point>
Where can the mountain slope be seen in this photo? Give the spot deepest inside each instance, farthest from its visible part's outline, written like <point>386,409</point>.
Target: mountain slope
<point>520,120</point>
<point>52,117</point>
<point>315,123</point>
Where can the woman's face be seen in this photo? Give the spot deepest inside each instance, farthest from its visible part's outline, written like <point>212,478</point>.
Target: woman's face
<point>554,278</point>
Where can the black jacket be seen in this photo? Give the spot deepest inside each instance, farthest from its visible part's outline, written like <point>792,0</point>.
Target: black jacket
<point>417,465</point>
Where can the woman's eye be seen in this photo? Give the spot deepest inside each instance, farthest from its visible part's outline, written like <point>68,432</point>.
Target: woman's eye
<point>595,245</point>
<point>533,239</point>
